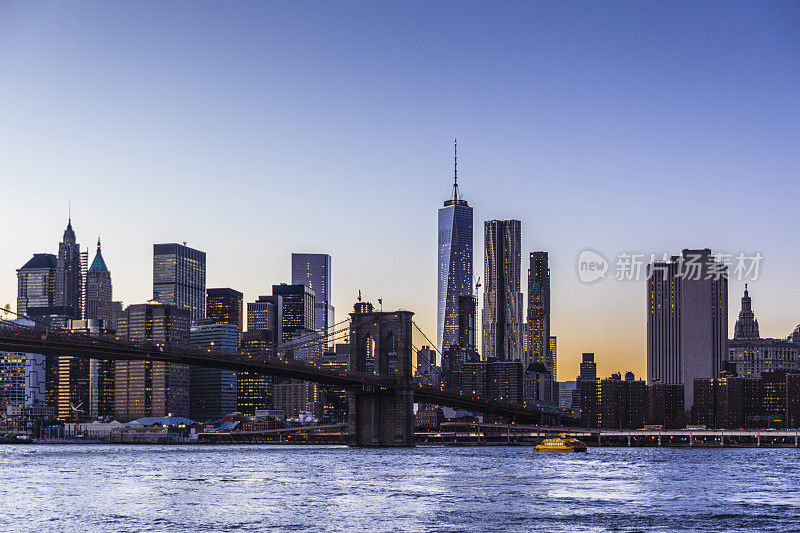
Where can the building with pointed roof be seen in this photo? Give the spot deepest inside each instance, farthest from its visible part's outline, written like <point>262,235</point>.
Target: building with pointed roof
<point>746,325</point>
<point>454,263</point>
<point>69,277</point>
<point>750,355</point>
<point>99,289</point>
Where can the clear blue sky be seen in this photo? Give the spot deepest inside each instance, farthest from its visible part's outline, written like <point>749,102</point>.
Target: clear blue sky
<point>255,129</point>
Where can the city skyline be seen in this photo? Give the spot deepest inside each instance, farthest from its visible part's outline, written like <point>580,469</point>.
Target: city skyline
<point>638,139</point>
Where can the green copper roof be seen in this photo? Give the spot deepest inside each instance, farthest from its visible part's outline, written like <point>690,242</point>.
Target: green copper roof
<point>98,265</point>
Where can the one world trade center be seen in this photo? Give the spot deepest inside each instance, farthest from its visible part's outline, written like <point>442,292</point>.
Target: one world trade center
<point>455,263</point>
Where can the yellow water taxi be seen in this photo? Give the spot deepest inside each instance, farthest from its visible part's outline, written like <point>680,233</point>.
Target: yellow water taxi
<point>562,443</point>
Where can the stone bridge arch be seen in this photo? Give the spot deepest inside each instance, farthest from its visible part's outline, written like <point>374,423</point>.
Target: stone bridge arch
<point>382,417</point>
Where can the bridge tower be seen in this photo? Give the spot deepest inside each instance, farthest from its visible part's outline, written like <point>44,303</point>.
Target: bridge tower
<point>380,343</point>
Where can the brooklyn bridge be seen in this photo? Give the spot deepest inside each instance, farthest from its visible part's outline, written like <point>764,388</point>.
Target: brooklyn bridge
<point>380,380</point>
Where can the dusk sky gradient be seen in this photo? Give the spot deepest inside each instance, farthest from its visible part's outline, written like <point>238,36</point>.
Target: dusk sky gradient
<point>252,130</point>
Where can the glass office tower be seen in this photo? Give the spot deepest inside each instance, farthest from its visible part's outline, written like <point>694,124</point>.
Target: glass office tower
<point>179,278</point>
<point>455,265</point>
<point>314,271</point>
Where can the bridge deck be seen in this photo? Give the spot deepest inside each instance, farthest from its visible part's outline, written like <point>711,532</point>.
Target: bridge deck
<point>51,341</point>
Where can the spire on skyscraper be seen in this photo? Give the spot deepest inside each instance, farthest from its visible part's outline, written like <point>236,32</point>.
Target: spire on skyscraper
<point>69,233</point>
<point>455,170</point>
<point>456,198</point>
<point>98,265</point>
<point>747,325</point>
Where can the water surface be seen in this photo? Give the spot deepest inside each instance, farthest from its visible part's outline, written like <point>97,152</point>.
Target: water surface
<point>254,488</point>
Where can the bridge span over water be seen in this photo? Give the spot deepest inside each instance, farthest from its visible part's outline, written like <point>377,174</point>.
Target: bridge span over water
<point>380,401</point>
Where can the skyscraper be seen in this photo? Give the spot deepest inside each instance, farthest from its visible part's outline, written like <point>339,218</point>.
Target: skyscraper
<point>314,271</point>
<point>467,325</point>
<point>297,309</point>
<point>554,356</point>
<point>22,380</point>
<point>265,314</point>
<point>99,290</point>
<point>264,333</point>
<point>254,390</point>
<point>179,278</point>
<point>36,283</point>
<point>68,289</point>
<point>687,320</point>
<point>588,367</point>
<point>502,299</point>
<point>226,306</point>
<point>746,325</point>
<point>455,263</point>
<point>145,388</point>
<point>455,355</point>
<point>751,355</point>
<point>212,391</point>
<point>539,311</point>
<point>73,397</point>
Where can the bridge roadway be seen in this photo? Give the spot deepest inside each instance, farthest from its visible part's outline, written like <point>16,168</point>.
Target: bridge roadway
<point>56,342</point>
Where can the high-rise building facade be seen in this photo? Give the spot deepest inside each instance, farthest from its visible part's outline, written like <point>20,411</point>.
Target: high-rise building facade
<point>99,290</point>
<point>73,389</point>
<point>36,282</point>
<point>454,265</point>
<point>254,390</point>
<point>455,355</point>
<point>212,391</point>
<point>264,333</point>
<point>68,278</point>
<point>538,325</point>
<point>12,380</point>
<point>296,397</point>
<point>746,325</point>
<point>297,309</point>
<point>314,271</point>
<point>750,355</point>
<point>22,380</point>
<point>85,386</point>
<point>499,380</point>
<point>179,278</point>
<point>554,356</point>
<point>588,367</point>
<point>265,315</point>
<point>613,403</point>
<point>145,388</point>
<point>502,299</point>
<point>687,320</point>
<point>226,306</point>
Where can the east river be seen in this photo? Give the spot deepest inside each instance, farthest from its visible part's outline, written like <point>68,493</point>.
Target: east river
<point>90,488</point>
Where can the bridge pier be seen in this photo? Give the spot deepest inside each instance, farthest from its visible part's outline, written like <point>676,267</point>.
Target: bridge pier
<point>382,418</point>
<point>381,344</point>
